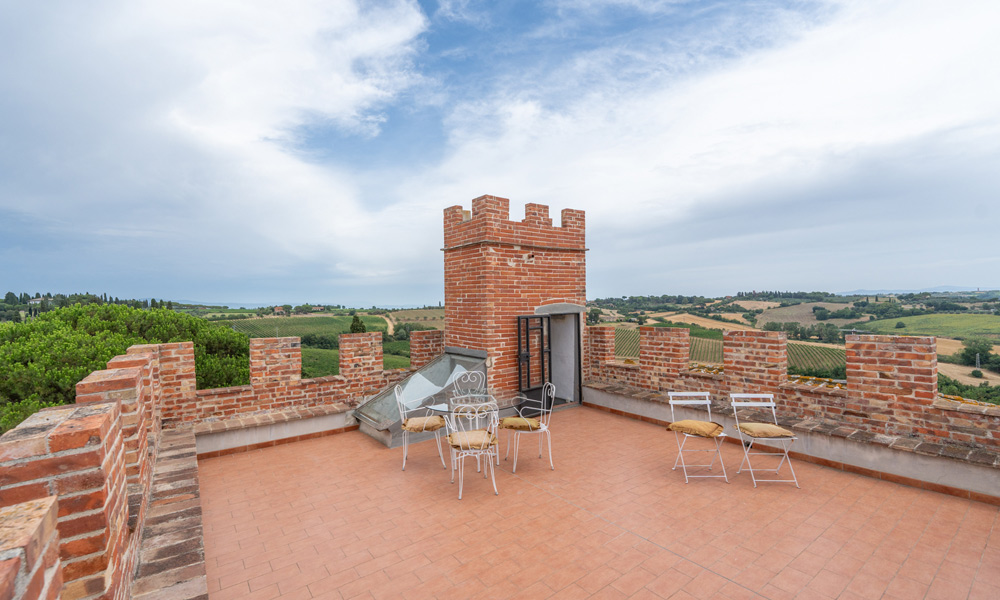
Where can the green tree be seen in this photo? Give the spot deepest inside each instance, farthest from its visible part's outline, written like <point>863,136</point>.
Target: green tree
<point>974,346</point>
<point>900,325</point>
<point>41,361</point>
<point>357,325</point>
<point>594,316</point>
<point>10,298</point>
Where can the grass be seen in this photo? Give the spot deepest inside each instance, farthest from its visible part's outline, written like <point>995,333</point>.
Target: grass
<point>945,325</point>
<point>300,326</point>
<point>317,362</point>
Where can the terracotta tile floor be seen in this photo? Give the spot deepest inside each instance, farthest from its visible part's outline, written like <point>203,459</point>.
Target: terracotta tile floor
<point>336,518</point>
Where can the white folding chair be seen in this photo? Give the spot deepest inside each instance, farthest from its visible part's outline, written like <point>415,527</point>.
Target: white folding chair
<point>429,423</point>
<point>691,428</point>
<point>751,432</point>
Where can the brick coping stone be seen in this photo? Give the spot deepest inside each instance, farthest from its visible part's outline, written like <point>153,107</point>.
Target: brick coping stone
<point>264,418</point>
<point>172,552</point>
<point>976,455</point>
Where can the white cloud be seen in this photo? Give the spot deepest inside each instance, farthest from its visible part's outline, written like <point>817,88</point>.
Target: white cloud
<point>177,119</point>
<point>876,74</point>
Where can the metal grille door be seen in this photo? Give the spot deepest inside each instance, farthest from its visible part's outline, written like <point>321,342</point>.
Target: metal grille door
<point>533,352</point>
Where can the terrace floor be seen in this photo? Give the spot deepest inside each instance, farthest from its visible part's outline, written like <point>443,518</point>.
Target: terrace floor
<point>335,517</point>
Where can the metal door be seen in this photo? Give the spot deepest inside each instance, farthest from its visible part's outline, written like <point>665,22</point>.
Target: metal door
<point>533,353</point>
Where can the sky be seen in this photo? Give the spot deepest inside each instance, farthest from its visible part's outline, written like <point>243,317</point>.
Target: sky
<point>251,152</point>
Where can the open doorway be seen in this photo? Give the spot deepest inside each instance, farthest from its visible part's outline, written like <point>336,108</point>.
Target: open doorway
<point>550,349</point>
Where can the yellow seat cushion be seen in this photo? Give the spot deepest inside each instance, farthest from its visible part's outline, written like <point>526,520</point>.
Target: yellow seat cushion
<point>477,439</point>
<point>709,429</point>
<point>764,430</point>
<point>416,424</point>
<point>521,423</point>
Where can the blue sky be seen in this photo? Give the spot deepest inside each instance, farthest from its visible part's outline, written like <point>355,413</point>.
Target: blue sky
<point>303,151</point>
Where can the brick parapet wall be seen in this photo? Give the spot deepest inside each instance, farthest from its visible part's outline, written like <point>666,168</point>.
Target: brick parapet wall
<point>663,355</point>
<point>96,456</point>
<point>497,269</point>
<point>275,359</point>
<point>30,568</point>
<point>888,390</point>
<point>425,346</point>
<point>754,361</point>
<point>177,379</point>
<point>76,453</point>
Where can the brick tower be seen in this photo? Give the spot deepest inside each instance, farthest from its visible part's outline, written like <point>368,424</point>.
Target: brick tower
<point>496,269</point>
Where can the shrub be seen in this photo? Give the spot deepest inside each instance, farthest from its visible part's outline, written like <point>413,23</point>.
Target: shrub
<point>977,373</point>
<point>900,325</point>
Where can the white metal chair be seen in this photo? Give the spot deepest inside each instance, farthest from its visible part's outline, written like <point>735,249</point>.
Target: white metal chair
<point>420,424</point>
<point>691,428</point>
<point>533,418</point>
<point>472,434</point>
<point>751,432</point>
<point>469,384</point>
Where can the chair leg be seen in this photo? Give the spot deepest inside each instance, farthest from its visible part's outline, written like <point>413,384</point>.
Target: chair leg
<point>681,441</point>
<point>718,453</point>
<point>437,438</point>
<point>790,468</point>
<point>404,449</point>
<point>493,476</point>
<point>549,435</point>
<point>517,445</point>
<point>539,446</point>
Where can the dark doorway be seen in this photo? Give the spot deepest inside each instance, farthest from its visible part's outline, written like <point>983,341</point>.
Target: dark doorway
<point>534,368</point>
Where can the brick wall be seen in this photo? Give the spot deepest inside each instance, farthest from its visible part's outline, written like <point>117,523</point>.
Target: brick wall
<point>29,551</point>
<point>754,361</point>
<point>663,355</point>
<point>76,453</point>
<point>275,359</point>
<point>425,346</point>
<point>496,269</point>
<point>891,384</point>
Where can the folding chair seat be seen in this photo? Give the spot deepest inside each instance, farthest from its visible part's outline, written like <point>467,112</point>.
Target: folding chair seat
<point>689,428</point>
<point>753,432</point>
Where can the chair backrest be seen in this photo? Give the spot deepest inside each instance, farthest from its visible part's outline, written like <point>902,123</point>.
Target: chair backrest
<point>752,401</point>
<point>542,406</point>
<point>469,382</point>
<point>401,403</point>
<point>479,416</point>
<point>689,399</point>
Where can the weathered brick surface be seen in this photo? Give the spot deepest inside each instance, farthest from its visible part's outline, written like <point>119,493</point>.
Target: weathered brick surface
<point>425,346</point>
<point>78,454</point>
<point>29,550</point>
<point>275,359</point>
<point>891,387</point>
<point>496,269</point>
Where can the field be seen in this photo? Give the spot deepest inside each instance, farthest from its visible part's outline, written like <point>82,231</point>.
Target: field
<point>946,325</point>
<point>317,362</point>
<point>803,356</point>
<point>946,346</point>
<point>431,317</point>
<point>802,314</point>
<point>710,323</point>
<point>757,304</point>
<point>300,326</point>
